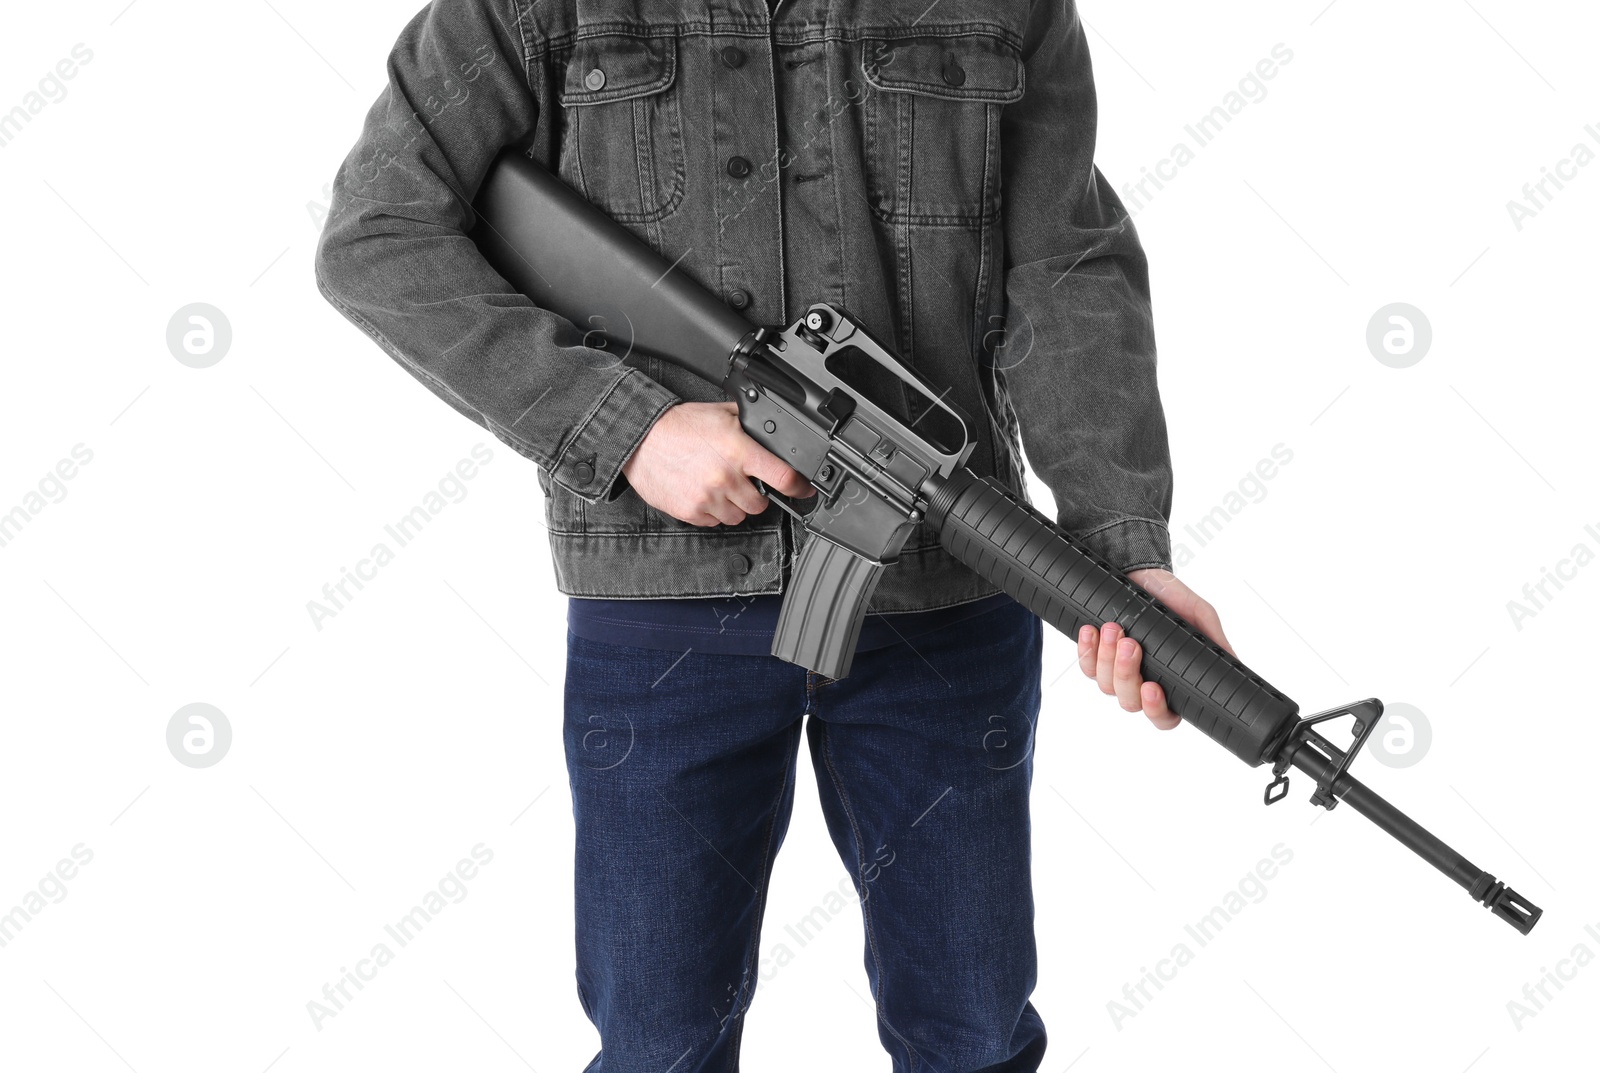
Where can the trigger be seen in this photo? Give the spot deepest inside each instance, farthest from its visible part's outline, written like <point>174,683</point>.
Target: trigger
<point>777,497</point>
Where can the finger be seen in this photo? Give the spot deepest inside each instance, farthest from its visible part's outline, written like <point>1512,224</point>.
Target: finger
<point>762,464</point>
<point>1154,699</point>
<point>744,495</point>
<point>726,512</point>
<point>1106,659</point>
<point>1125,676</point>
<point>1211,625</point>
<point>1088,640</point>
<point>1155,582</point>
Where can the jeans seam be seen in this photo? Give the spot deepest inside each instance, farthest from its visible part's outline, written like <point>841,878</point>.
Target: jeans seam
<point>747,989</point>
<point>866,914</point>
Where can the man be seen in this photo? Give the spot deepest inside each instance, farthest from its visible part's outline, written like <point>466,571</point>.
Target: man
<point>930,169</point>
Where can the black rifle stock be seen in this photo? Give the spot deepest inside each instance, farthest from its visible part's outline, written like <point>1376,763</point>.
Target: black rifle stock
<point>821,394</point>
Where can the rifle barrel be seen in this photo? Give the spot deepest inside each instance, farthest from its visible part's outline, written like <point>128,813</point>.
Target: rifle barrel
<point>1506,903</point>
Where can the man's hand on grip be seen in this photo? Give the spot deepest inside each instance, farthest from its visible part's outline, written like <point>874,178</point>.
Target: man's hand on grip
<point>695,464</point>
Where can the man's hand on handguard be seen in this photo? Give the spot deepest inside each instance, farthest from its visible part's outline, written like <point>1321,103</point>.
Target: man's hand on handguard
<point>1112,660</point>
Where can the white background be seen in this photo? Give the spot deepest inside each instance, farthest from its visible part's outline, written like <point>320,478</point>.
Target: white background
<point>184,165</point>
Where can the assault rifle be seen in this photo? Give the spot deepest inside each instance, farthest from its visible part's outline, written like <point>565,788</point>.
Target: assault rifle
<point>821,394</point>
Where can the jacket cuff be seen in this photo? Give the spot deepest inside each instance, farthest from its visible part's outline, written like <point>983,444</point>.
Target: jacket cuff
<point>590,466</point>
<point>1132,544</point>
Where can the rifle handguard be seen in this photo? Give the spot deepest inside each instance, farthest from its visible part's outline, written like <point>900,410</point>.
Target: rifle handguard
<point>1069,585</point>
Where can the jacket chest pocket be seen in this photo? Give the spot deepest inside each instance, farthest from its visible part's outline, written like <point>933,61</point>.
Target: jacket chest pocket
<point>622,143</point>
<point>931,126</point>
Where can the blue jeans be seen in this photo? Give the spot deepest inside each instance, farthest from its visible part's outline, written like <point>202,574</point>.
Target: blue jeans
<point>682,769</point>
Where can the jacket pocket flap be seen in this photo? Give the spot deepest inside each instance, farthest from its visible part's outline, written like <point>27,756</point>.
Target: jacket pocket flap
<point>957,68</point>
<point>615,67</point>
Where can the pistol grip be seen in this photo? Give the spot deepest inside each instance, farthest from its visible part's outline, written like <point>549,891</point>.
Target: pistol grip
<point>820,621</point>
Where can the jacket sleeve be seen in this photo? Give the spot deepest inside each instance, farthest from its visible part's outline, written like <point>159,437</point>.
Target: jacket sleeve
<point>1080,342</point>
<point>395,259</point>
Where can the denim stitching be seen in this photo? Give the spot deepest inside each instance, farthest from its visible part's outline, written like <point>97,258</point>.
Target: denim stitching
<point>609,621</point>
<point>581,429</point>
<point>1121,521</point>
<point>575,134</point>
<point>777,139</point>
<point>522,41</point>
<point>911,84</point>
<point>561,539</point>
<point>901,212</point>
<point>785,36</point>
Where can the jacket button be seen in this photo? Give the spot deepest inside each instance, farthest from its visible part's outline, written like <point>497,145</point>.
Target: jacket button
<point>953,74</point>
<point>738,299</point>
<point>738,167</point>
<point>594,79</point>
<point>740,563</point>
<point>733,57</point>
<point>583,473</point>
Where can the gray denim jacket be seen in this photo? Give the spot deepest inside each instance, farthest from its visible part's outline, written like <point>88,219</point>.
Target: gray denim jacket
<point>929,169</point>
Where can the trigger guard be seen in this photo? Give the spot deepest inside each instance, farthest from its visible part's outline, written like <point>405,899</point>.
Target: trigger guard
<point>783,501</point>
